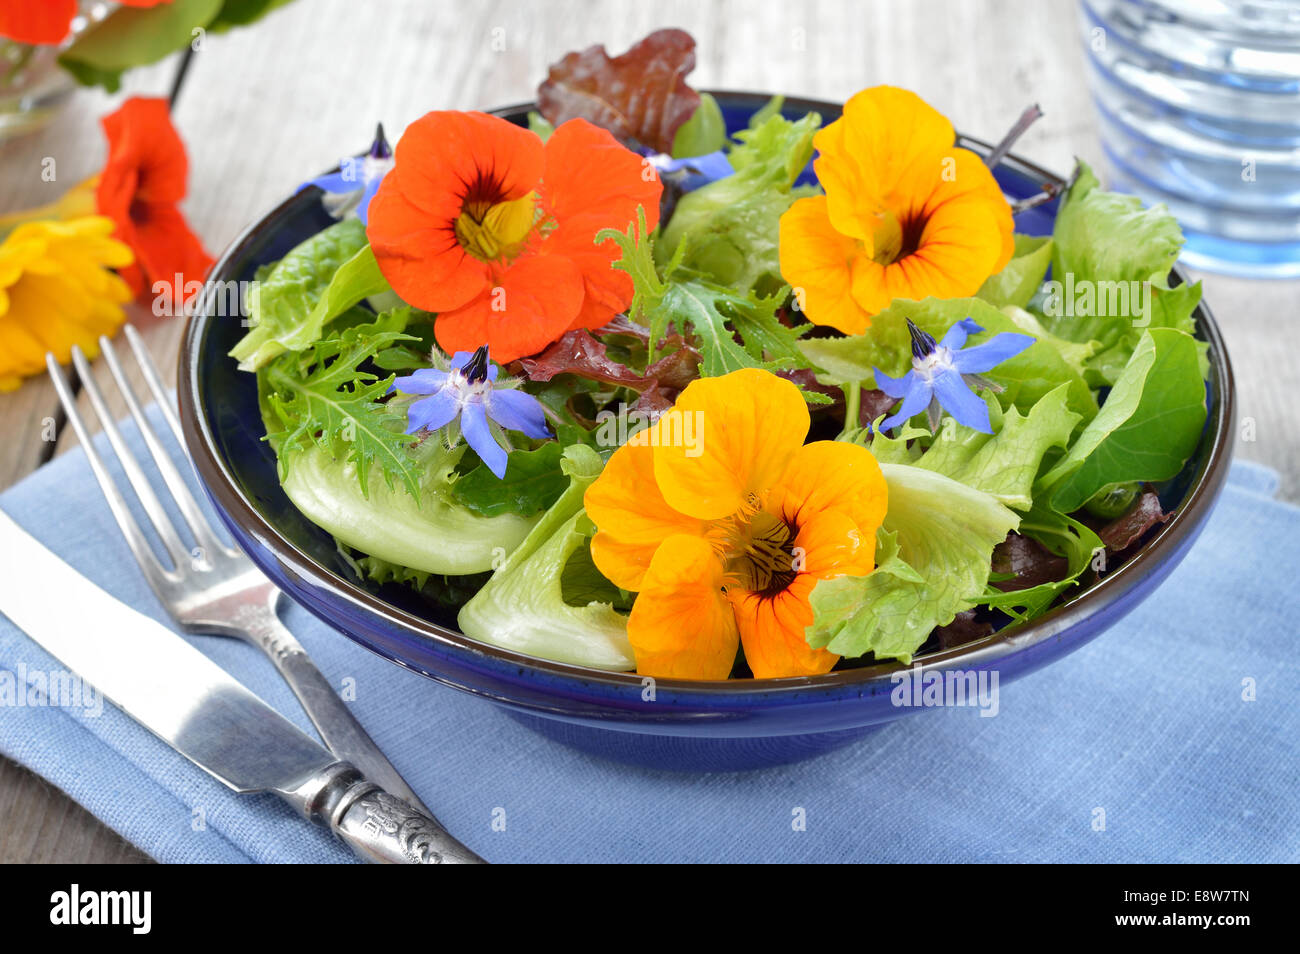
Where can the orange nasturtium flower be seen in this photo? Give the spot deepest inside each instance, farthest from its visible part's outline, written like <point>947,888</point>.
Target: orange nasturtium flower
<point>482,223</point>
<point>906,214</point>
<point>723,520</point>
<point>46,21</point>
<point>140,188</point>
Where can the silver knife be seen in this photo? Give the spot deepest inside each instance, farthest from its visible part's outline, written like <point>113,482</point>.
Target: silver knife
<point>192,704</point>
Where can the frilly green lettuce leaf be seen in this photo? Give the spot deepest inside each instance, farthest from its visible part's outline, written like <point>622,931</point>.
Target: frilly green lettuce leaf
<point>1026,377</point>
<point>1022,276</point>
<point>431,533</point>
<point>1004,464</point>
<point>522,607</point>
<point>315,283</point>
<point>1102,239</point>
<point>728,231</point>
<point>1147,428</point>
<point>933,561</point>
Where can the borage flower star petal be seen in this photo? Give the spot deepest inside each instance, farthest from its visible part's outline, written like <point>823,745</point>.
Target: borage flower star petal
<point>358,179</point>
<point>481,223</point>
<point>467,390</point>
<point>944,374</point>
<point>723,521</point>
<point>906,214</point>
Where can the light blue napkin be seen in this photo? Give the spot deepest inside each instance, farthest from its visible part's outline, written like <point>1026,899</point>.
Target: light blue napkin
<point>1173,737</point>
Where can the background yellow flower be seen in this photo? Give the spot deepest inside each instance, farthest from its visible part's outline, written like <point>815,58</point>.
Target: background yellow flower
<point>57,289</point>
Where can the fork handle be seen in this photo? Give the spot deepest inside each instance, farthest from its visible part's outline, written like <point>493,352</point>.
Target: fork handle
<point>335,722</point>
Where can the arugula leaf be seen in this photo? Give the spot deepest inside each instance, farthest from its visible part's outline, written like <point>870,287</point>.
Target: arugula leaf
<point>1147,428</point>
<point>699,307</point>
<point>316,281</point>
<point>134,36</point>
<point>1022,276</point>
<point>533,482</point>
<point>933,561</point>
<point>522,607</point>
<point>729,230</point>
<point>324,398</point>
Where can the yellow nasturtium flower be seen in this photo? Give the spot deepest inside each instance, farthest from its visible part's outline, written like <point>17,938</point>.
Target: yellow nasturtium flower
<point>57,289</point>
<point>906,214</point>
<point>723,520</point>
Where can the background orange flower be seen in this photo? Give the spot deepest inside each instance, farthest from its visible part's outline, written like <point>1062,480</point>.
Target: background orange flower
<point>46,21</point>
<point>481,223</point>
<point>142,183</point>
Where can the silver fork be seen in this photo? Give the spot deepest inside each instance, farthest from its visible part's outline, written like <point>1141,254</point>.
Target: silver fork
<point>211,588</point>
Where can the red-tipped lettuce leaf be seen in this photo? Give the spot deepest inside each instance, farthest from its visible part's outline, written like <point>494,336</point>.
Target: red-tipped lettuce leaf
<point>641,96</point>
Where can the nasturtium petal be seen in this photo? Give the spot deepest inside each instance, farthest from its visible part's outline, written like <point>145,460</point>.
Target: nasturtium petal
<point>726,439</point>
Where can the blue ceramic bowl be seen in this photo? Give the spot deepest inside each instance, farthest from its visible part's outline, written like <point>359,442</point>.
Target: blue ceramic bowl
<point>681,725</point>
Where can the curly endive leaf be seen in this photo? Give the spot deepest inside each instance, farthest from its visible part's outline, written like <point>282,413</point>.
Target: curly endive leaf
<point>323,398</point>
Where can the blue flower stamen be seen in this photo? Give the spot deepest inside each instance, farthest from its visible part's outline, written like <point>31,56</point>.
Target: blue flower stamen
<point>468,391</point>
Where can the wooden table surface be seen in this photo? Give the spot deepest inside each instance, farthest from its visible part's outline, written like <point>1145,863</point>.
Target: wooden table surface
<point>264,108</point>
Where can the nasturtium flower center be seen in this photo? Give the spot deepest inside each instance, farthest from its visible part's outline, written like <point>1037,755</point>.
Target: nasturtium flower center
<point>887,238</point>
<point>758,549</point>
<point>496,231</point>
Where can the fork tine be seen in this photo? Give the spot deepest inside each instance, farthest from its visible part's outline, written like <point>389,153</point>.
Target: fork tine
<point>154,380</point>
<point>180,491</point>
<point>134,475</point>
<point>135,538</point>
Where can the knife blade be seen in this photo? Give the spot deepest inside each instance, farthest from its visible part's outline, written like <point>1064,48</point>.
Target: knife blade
<point>196,707</point>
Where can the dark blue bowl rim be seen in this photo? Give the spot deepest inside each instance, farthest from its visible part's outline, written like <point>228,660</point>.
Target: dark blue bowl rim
<point>1167,542</point>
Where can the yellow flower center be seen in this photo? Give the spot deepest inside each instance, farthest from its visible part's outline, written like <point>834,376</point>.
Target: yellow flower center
<point>494,232</point>
<point>757,548</point>
<point>887,238</point>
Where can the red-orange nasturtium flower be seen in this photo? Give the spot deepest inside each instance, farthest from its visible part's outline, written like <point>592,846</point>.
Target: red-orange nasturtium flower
<point>46,21</point>
<point>139,189</point>
<point>482,223</point>
<point>723,520</point>
<point>906,214</point>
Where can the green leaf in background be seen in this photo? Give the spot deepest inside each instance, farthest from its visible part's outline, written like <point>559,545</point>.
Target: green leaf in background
<point>533,482</point>
<point>1022,276</point>
<point>704,132</point>
<point>933,561</point>
<point>334,269</point>
<point>134,36</point>
<point>1110,269</point>
<point>236,13</point>
<point>1006,463</point>
<point>538,124</point>
<point>522,607</point>
<point>1147,428</point>
<point>1027,377</point>
<point>729,230</point>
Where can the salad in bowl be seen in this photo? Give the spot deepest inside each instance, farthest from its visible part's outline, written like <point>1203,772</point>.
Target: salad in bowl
<point>611,388</point>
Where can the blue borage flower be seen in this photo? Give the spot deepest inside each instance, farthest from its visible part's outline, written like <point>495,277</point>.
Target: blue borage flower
<point>692,172</point>
<point>467,390</point>
<point>357,180</point>
<point>944,375</point>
